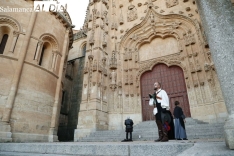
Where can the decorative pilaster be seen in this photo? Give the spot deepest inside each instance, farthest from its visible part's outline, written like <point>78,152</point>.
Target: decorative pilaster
<point>38,51</point>
<point>54,60</point>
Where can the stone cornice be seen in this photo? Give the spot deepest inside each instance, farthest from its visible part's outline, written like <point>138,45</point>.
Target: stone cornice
<point>67,24</point>
<point>79,35</point>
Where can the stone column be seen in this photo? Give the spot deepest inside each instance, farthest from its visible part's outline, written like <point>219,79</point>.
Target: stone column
<point>57,104</point>
<point>18,70</point>
<point>39,44</point>
<point>53,60</point>
<point>15,36</point>
<point>217,19</point>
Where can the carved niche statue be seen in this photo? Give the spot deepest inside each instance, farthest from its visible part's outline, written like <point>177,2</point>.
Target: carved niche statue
<point>152,18</point>
<point>132,13</point>
<point>113,77</point>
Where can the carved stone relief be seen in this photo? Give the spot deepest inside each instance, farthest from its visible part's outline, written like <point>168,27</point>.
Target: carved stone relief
<point>198,95</point>
<point>189,38</point>
<point>121,18</point>
<point>192,67</point>
<point>126,78</point>
<point>95,65</point>
<point>132,13</point>
<point>171,3</point>
<point>113,77</point>
<point>104,42</point>
<point>198,66</point>
<point>172,60</point>
<point>152,18</point>
<point>131,79</point>
<point>86,68</point>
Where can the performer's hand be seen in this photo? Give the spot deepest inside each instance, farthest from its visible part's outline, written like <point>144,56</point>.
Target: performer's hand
<point>158,97</point>
<point>150,95</point>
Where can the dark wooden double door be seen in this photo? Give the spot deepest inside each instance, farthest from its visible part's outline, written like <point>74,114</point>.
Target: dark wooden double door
<point>172,80</point>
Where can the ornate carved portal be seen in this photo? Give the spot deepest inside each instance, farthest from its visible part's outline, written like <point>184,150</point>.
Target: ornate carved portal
<point>173,82</point>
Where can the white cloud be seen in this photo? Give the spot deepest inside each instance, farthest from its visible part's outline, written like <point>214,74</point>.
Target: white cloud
<point>77,11</point>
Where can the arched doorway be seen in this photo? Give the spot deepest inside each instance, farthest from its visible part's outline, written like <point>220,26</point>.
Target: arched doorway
<point>172,79</point>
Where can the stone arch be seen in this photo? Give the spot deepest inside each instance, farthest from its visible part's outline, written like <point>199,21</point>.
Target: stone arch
<point>11,27</point>
<point>172,79</point>
<point>152,36</point>
<point>166,24</point>
<point>48,52</point>
<point>52,40</point>
<point>4,38</point>
<point>148,66</point>
<point>4,19</point>
<point>83,48</point>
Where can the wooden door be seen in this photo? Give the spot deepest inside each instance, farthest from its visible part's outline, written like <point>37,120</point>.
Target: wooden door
<point>172,80</point>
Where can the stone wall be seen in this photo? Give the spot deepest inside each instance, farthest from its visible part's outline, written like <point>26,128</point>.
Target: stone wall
<point>73,85</point>
<point>36,83</point>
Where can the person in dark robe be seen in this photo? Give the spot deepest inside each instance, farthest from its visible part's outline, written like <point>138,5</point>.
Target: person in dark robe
<point>180,132</point>
<point>129,128</point>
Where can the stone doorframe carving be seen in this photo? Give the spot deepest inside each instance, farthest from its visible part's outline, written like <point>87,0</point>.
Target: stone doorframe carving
<point>173,25</point>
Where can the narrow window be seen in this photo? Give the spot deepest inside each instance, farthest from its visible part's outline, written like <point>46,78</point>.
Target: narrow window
<point>42,53</point>
<point>3,43</point>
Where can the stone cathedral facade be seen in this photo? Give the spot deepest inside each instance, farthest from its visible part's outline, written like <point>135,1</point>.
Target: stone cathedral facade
<point>130,44</point>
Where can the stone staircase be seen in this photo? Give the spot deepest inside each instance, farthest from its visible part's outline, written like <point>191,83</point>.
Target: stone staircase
<point>147,131</point>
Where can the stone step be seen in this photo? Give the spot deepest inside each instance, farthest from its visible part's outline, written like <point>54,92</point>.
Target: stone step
<point>189,132</point>
<point>5,127</point>
<point>137,148</point>
<point>195,129</point>
<point>5,137</point>
<point>212,135</point>
<point>218,130</point>
<point>147,139</point>
<point>186,125</point>
<point>94,149</point>
<point>26,154</point>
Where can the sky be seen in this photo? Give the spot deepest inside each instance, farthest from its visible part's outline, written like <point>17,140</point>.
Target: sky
<point>77,11</point>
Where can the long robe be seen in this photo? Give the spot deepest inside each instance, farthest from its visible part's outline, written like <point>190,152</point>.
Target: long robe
<point>180,132</point>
